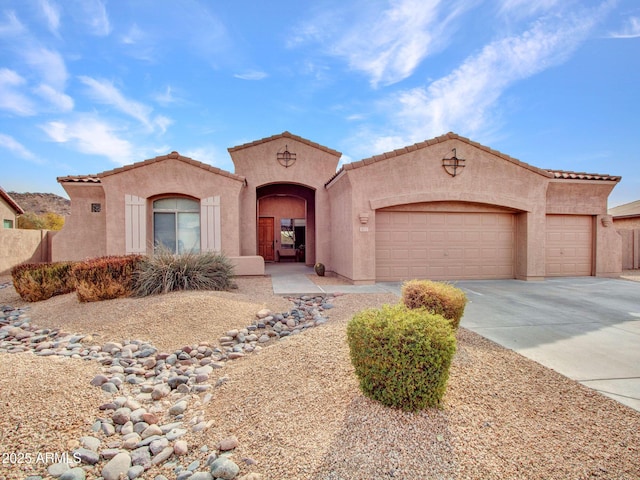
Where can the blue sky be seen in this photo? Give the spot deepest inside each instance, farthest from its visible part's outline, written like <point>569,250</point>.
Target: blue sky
<point>89,85</point>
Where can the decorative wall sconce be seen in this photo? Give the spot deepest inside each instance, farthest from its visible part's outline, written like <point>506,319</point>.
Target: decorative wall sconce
<point>606,220</point>
<point>453,165</point>
<point>364,218</point>
<point>285,157</point>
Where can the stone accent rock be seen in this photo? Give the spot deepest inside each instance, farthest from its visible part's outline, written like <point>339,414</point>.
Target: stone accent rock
<point>152,391</point>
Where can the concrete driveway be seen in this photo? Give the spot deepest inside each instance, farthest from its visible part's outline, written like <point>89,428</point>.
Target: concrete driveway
<point>586,328</point>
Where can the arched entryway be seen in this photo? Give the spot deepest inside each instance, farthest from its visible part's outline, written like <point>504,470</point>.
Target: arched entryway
<point>286,223</point>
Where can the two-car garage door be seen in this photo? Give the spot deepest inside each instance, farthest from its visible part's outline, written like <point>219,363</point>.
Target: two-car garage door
<point>444,245</point>
<point>478,245</point>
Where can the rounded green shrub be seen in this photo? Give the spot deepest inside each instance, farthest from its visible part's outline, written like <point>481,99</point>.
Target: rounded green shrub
<point>401,356</point>
<point>437,297</point>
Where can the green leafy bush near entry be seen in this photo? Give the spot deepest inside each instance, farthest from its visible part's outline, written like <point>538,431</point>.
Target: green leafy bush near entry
<point>106,278</point>
<point>35,282</point>
<point>437,297</point>
<point>166,272</point>
<point>401,356</point>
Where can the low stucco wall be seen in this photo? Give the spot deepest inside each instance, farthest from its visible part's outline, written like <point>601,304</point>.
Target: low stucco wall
<point>248,266</point>
<point>23,246</point>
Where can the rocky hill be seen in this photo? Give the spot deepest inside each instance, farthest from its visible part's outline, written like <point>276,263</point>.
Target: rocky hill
<point>40,203</point>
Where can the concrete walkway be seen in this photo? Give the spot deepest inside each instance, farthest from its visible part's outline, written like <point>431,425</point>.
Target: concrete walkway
<point>586,328</point>
<point>291,279</point>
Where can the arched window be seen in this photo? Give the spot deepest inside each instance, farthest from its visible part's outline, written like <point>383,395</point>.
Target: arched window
<point>176,224</point>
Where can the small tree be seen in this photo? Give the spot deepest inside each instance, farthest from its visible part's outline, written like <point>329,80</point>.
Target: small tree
<point>46,221</point>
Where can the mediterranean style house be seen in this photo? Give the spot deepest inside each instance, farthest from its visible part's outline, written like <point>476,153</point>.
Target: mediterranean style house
<point>447,208</point>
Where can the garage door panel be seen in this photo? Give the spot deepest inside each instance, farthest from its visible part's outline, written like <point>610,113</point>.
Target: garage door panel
<point>569,245</point>
<point>444,246</point>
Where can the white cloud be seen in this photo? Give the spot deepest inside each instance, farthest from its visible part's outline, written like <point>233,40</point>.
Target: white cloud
<point>51,12</point>
<point>11,98</point>
<point>59,100</point>
<point>49,64</point>
<point>167,97</point>
<point>133,36</point>
<point>251,75</point>
<point>465,100</point>
<point>524,8</point>
<point>91,136</point>
<point>386,45</point>
<point>207,154</point>
<point>631,29</point>
<point>95,16</point>
<point>105,92</point>
<point>13,27</point>
<point>11,144</point>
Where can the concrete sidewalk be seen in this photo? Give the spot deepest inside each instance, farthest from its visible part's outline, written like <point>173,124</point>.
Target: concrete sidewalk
<point>291,279</point>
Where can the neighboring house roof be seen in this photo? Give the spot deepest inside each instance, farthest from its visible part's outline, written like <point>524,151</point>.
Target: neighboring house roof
<point>559,174</point>
<point>12,203</point>
<point>172,155</point>
<point>286,135</point>
<point>631,209</point>
<point>563,174</point>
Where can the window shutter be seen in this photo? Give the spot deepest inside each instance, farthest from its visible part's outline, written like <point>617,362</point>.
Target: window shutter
<point>210,234</point>
<point>135,228</point>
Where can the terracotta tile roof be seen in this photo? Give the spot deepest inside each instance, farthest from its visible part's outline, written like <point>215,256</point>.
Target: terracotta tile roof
<point>286,134</point>
<point>435,141</point>
<point>12,203</point>
<point>627,210</point>
<point>172,155</point>
<point>79,179</point>
<point>567,175</point>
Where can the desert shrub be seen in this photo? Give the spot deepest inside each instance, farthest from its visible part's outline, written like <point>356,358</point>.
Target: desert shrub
<point>401,356</point>
<point>437,297</point>
<point>39,281</point>
<point>105,278</point>
<point>165,272</point>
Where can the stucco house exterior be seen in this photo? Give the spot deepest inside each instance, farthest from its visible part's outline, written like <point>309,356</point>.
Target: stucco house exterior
<point>9,210</point>
<point>447,208</point>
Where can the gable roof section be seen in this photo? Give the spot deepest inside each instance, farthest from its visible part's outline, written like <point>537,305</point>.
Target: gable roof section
<point>12,203</point>
<point>172,155</point>
<point>631,209</point>
<point>559,174</point>
<point>286,134</point>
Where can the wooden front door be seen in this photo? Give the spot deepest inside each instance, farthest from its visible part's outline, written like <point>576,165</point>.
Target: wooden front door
<point>265,239</point>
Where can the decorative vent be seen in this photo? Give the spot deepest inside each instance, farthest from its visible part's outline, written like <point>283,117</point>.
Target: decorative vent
<point>96,208</point>
<point>285,157</point>
<point>453,165</point>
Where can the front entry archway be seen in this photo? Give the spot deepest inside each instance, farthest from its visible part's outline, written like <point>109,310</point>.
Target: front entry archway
<point>286,223</point>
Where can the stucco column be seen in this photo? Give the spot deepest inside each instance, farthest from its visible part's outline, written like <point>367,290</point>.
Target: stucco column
<point>530,245</point>
<point>608,248</point>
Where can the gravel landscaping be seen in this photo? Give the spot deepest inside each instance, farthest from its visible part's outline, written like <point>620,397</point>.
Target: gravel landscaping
<point>295,408</point>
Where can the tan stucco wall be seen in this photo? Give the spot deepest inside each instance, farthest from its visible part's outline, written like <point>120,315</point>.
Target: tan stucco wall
<point>583,197</point>
<point>418,177</point>
<point>22,246</point>
<point>312,168</point>
<point>169,177</point>
<point>7,213</point>
<point>608,248</point>
<point>84,233</point>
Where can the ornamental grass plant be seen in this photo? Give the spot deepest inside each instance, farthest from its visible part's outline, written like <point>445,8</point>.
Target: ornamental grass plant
<point>166,272</point>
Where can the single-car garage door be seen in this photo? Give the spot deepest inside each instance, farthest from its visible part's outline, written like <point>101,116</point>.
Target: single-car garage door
<point>569,245</point>
<point>444,246</point>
